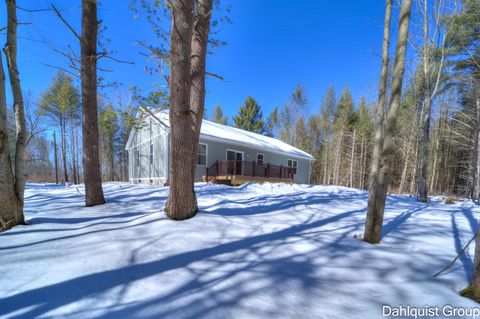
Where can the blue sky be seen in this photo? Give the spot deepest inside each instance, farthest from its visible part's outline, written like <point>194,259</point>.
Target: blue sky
<point>272,47</point>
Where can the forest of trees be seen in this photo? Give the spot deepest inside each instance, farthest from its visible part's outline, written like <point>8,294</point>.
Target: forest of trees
<point>436,135</point>
<point>54,148</point>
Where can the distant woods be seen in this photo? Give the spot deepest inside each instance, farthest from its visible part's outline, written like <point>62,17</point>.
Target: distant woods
<point>54,151</point>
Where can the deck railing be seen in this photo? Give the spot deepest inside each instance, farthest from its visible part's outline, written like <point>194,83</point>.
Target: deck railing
<point>248,168</point>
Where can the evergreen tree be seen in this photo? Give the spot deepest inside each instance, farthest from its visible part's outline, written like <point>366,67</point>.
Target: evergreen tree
<point>217,116</point>
<point>464,40</point>
<point>250,117</point>
<point>61,102</point>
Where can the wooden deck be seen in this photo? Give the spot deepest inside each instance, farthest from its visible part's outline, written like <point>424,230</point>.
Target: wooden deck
<point>239,172</point>
<point>239,180</point>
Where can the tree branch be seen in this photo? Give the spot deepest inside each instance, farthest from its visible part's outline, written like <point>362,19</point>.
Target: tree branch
<point>214,76</point>
<point>59,15</point>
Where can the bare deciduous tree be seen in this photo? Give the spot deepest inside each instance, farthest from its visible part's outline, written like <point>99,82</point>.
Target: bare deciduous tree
<point>378,195</point>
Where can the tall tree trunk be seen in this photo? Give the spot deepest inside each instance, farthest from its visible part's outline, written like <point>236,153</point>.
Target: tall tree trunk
<point>63,129</point>
<point>9,207</point>
<point>352,158</point>
<point>362,161</point>
<point>372,216</point>
<point>433,179</point>
<point>414,177</point>
<point>378,195</point>
<point>476,195</point>
<point>55,151</point>
<point>111,158</point>
<point>424,152</point>
<point>182,202</point>
<point>325,163</point>
<point>337,162</point>
<point>427,109</point>
<point>73,151</point>
<point>410,145</point>
<point>91,159</point>
<point>405,168</point>
<point>199,47</point>
<point>473,291</point>
<point>21,127</point>
<point>77,154</point>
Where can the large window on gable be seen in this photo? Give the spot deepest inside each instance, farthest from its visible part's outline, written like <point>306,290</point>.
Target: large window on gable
<point>293,164</point>
<point>202,154</point>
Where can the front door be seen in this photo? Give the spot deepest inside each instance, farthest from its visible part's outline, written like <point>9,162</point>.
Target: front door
<point>235,161</point>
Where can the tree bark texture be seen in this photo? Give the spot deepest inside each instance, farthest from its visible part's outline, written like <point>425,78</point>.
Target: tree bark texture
<point>201,31</point>
<point>182,202</point>
<point>20,175</point>
<point>352,158</point>
<point>476,196</point>
<point>91,159</point>
<point>73,151</point>
<point>63,130</point>
<point>378,195</point>
<point>55,152</point>
<point>8,209</point>
<point>372,217</point>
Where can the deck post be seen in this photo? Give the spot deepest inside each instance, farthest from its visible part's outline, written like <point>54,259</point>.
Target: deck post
<point>206,174</point>
<point>253,168</point>
<point>234,167</point>
<point>216,167</point>
<point>281,171</point>
<point>267,171</point>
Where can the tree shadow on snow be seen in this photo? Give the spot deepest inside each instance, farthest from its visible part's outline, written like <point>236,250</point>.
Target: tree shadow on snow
<point>39,301</point>
<point>215,282</point>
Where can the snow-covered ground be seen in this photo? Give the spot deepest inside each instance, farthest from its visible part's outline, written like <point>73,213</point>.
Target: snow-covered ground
<point>255,251</point>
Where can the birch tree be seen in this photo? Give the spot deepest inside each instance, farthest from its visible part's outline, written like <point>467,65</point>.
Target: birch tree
<point>380,181</point>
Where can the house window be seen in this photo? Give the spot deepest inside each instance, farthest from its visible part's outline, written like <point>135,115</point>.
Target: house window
<point>260,158</point>
<point>137,158</point>
<point>293,164</point>
<point>151,154</point>
<point>202,154</point>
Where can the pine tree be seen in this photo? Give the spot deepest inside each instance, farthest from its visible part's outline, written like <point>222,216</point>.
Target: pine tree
<point>88,74</point>
<point>250,117</point>
<point>61,102</point>
<point>188,51</point>
<point>217,116</point>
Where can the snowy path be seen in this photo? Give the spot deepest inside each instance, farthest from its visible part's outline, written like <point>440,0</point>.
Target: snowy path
<point>256,251</point>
